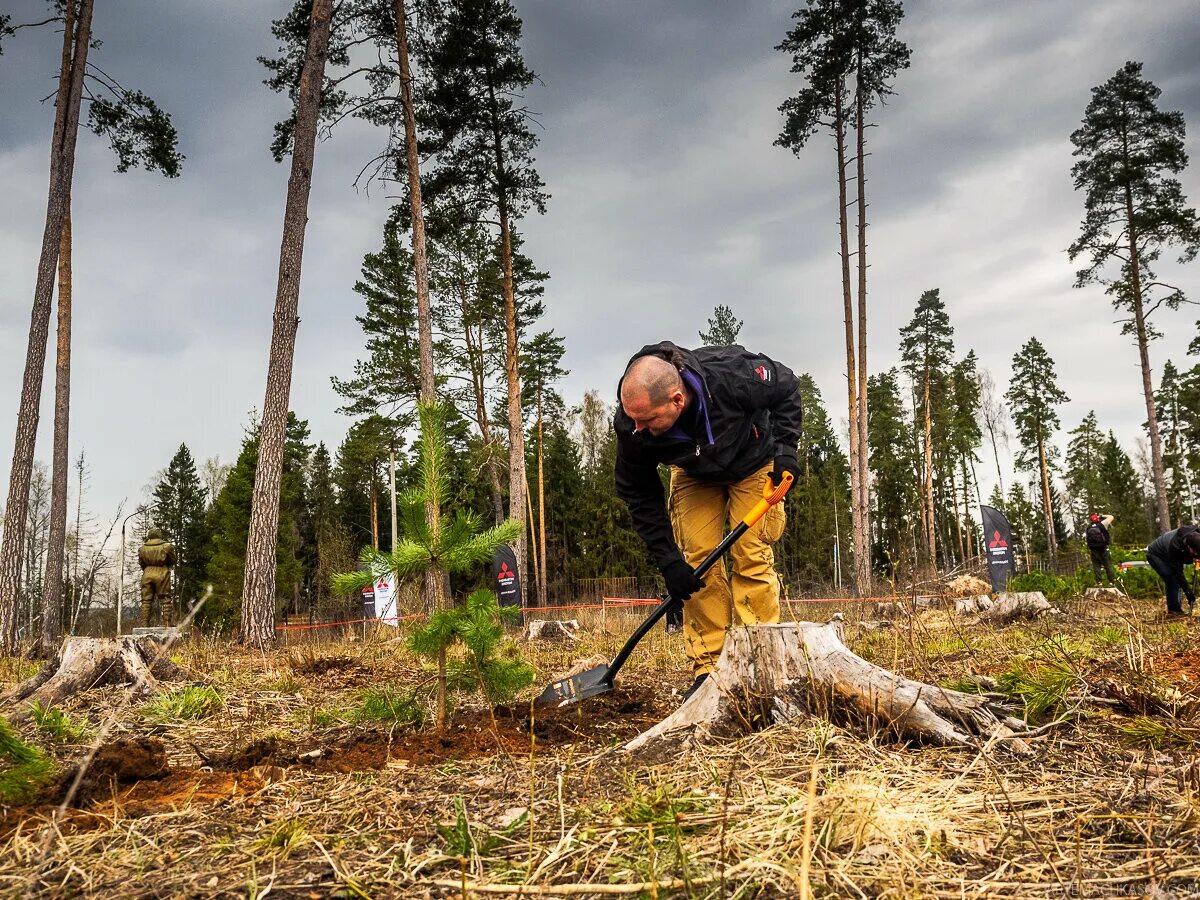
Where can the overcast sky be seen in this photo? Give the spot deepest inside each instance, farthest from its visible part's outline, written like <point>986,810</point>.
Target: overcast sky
<point>668,197</point>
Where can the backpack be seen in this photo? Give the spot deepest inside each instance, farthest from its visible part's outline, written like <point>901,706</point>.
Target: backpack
<point>1096,536</point>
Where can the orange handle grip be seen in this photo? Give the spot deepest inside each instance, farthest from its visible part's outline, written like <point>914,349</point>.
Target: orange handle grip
<point>772,494</point>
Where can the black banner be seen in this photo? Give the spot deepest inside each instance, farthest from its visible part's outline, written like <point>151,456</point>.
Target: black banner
<point>505,578</point>
<point>368,597</point>
<point>997,537</point>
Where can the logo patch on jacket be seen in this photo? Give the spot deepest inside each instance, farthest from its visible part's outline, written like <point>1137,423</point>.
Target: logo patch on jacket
<point>763,373</point>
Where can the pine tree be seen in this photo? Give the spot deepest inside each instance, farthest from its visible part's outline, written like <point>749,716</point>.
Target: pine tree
<point>260,587</point>
<point>1033,395</point>
<point>835,41</point>
<point>1128,151</point>
<point>453,544</point>
<point>927,348</point>
<point>360,476</point>
<point>540,362</point>
<point>179,510</point>
<point>723,328</point>
<point>965,438</point>
<point>483,143</point>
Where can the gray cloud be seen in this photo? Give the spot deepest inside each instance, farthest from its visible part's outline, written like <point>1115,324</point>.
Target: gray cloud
<point>668,198</point>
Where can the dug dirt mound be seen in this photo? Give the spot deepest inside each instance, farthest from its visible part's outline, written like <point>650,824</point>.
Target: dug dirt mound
<point>601,721</point>
<point>121,761</point>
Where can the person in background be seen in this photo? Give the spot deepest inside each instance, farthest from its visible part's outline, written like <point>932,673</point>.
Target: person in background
<point>1099,542</point>
<point>1169,553</point>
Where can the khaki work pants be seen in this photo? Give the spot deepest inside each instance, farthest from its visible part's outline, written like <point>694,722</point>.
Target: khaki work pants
<point>700,512</point>
<point>156,596</point>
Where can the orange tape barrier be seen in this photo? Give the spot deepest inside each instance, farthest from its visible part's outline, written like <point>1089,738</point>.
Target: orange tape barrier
<point>348,622</point>
<point>607,602</point>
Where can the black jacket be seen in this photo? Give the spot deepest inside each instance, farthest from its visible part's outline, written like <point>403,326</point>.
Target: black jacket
<point>1172,547</point>
<point>753,414</point>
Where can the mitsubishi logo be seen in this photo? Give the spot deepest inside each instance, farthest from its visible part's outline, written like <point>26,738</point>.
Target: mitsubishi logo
<point>996,541</point>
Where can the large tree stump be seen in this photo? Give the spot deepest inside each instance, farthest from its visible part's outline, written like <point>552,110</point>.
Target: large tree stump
<point>551,630</point>
<point>772,673</point>
<point>83,663</point>
<point>1007,607</point>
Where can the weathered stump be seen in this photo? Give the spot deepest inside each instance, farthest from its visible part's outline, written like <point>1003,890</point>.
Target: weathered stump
<point>966,586</point>
<point>773,673</point>
<point>1007,607</point>
<point>84,663</point>
<point>551,630</point>
<point>1103,594</point>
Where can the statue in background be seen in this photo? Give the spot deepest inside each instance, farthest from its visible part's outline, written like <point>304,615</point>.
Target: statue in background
<point>156,557</point>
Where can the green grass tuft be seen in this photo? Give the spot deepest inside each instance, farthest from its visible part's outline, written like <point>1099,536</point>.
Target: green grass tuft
<point>57,725</point>
<point>1157,734</point>
<point>186,704</point>
<point>1041,687</point>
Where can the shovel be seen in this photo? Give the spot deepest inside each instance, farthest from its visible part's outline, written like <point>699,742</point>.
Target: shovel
<point>599,679</point>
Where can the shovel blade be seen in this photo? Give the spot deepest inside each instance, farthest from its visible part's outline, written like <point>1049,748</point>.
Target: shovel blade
<point>565,691</point>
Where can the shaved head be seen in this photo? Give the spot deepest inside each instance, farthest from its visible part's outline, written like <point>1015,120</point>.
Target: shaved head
<point>653,394</point>
<point>652,377</point>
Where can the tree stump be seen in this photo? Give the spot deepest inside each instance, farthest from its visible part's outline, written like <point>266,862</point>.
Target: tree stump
<point>773,673</point>
<point>1007,607</point>
<point>551,630</point>
<point>83,663</point>
<point>1104,594</point>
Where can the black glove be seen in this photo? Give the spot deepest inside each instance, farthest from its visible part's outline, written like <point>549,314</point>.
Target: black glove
<point>681,580</point>
<point>785,463</point>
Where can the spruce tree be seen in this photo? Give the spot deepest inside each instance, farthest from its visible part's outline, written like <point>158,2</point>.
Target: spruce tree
<point>893,469</point>
<point>1124,496</point>
<point>1084,484</point>
<point>179,510</point>
<point>1178,459</point>
<point>1128,151</point>
<point>818,503</point>
<point>1034,395</point>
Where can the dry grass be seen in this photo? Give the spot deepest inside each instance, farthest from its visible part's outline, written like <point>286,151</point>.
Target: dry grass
<point>1107,806</point>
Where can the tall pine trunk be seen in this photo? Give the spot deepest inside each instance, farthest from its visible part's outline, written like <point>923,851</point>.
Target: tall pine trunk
<point>862,567</point>
<point>52,589</point>
<point>516,432</point>
<point>927,479</point>
<point>542,582</point>
<point>861,551</point>
<point>62,169</point>
<point>1162,507</point>
<point>258,593</point>
<point>1047,498</point>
